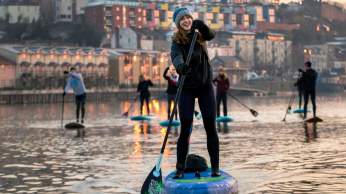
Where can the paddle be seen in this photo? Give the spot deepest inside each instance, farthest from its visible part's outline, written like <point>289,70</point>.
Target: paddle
<point>253,112</point>
<point>289,106</point>
<point>153,183</point>
<point>62,111</point>
<point>126,114</point>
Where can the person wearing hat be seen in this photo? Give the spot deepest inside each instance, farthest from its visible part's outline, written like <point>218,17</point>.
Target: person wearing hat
<point>222,86</point>
<point>197,84</point>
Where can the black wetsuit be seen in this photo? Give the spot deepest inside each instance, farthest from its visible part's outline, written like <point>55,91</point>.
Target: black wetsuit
<point>143,88</point>
<point>171,92</point>
<point>309,78</point>
<point>198,84</point>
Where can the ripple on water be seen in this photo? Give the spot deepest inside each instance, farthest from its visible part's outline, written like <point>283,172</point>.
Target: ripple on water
<point>266,156</point>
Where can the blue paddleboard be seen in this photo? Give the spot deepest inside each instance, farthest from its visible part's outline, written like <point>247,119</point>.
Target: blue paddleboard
<point>299,110</point>
<point>175,123</point>
<point>140,118</point>
<point>224,119</point>
<point>205,184</point>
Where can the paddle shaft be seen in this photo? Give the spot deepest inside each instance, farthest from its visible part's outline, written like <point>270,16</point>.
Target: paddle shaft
<point>62,111</point>
<point>180,88</point>
<point>289,104</point>
<point>131,105</point>
<point>236,99</point>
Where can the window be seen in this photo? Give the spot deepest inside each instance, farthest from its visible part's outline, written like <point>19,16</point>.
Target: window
<point>149,15</point>
<point>226,18</point>
<point>163,15</point>
<point>252,19</point>
<point>214,20</point>
<point>239,19</point>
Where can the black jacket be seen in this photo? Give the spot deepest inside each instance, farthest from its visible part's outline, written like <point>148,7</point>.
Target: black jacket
<point>172,86</point>
<point>200,71</point>
<point>143,87</point>
<point>309,78</point>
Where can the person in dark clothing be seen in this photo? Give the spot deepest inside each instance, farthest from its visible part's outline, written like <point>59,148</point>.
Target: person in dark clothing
<point>309,77</point>
<point>222,86</point>
<point>144,94</point>
<point>172,77</point>
<point>198,84</point>
<point>299,85</point>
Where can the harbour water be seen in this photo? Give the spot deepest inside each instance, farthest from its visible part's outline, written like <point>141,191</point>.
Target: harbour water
<point>264,154</point>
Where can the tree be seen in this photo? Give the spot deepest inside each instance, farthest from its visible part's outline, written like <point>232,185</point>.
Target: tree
<point>85,35</point>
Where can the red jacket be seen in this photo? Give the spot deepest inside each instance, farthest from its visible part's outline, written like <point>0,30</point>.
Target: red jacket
<point>222,84</point>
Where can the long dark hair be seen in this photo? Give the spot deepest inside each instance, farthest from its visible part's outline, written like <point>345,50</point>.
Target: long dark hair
<point>180,36</point>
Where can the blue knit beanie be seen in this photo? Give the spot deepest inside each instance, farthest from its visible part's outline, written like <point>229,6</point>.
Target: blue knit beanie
<point>180,13</point>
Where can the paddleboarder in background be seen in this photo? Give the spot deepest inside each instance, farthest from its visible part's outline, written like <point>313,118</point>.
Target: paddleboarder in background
<point>222,86</point>
<point>309,77</point>
<point>198,84</point>
<point>299,85</point>
<point>144,94</point>
<point>172,77</point>
<point>76,83</point>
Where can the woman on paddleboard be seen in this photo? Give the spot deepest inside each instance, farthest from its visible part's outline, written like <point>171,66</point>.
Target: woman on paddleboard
<point>172,77</point>
<point>198,84</point>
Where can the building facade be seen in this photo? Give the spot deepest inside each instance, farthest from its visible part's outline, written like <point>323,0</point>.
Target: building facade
<point>19,11</point>
<point>108,15</point>
<point>62,10</point>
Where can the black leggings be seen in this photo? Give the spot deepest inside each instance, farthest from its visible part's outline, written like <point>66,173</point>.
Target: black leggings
<point>170,101</point>
<point>206,101</point>
<point>146,98</point>
<point>80,106</point>
<point>300,95</point>
<point>312,95</point>
<point>221,97</point>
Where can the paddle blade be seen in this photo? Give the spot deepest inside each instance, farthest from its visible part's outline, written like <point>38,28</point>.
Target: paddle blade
<point>254,113</point>
<point>153,184</point>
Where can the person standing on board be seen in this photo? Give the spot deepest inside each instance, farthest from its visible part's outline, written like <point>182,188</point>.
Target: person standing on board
<point>170,74</point>
<point>144,94</point>
<point>198,84</point>
<point>76,83</point>
<point>222,86</point>
<point>309,77</point>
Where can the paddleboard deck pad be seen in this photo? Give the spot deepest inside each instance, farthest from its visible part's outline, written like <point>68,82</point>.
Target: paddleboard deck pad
<point>175,123</point>
<point>313,120</point>
<point>74,125</point>
<point>205,184</point>
<point>224,119</point>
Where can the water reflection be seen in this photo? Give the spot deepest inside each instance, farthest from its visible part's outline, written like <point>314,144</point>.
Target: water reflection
<point>223,127</point>
<point>310,131</point>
